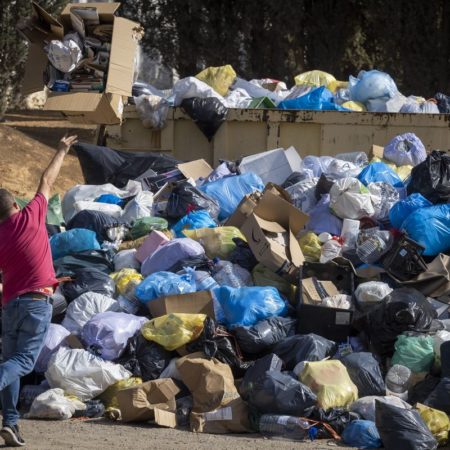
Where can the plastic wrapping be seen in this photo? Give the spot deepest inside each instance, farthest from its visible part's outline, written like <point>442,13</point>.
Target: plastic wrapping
<point>107,334</point>
<point>431,178</point>
<point>217,242</point>
<point>231,275</point>
<point>362,434</point>
<point>403,429</point>
<point>430,228</point>
<point>414,352</point>
<point>88,280</point>
<point>73,241</point>
<point>349,199</point>
<point>248,305</point>
<point>219,78</point>
<point>174,330</point>
<point>405,150</point>
<point>331,382</point>
<point>193,221</point>
<point>54,405</point>
<point>402,209</point>
<point>161,284</point>
<point>55,337</point>
<point>372,292</point>
<point>229,191</point>
<point>262,336</point>
<point>86,306</point>
<point>169,254</point>
<point>321,220</point>
<point>82,374</point>
<point>372,85</point>
<point>186,198</point>
<point>365,372</point>
<point>152,110</point>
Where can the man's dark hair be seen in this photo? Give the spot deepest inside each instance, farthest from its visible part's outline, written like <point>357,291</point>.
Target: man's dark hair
<point>6,203</point>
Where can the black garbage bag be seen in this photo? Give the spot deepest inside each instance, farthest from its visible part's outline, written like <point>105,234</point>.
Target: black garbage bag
<point>338,418</point>
<point>102,260</point>
<point>443,102</point>
<point>324,186</point>
<point>243,255</point>
<point>269,391</point>
<point>304,347</point>
<point>145,359</point>
<point>402,429</point>
<point>431,178</point>
<point>439,398</point>
<point>102,165</point>
<point>185,198</point>
<point>201,262</point>
<point>294,178</point>
<point>207,113</point>
<point>365,372</point>
<point>420,391</point>
<point>404,309</point>
<point>264,335</point>
<point>216,342</point>
<point>96,221</point>
<point>88,280</point>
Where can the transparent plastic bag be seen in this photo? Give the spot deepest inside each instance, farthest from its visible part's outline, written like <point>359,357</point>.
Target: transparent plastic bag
<point>232,275</point>
<point>372,85</point>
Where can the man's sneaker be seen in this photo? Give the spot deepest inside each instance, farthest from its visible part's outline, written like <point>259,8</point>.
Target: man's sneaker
<point>11,436</point>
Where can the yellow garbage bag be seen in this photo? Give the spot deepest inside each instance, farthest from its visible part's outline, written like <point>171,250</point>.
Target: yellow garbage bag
<point>219,78</point>
<point>311,247</point>
<point>217,242</point>
<point>436,421</point>
<point>314,78</point>
<point>109,397</point>
<point>330,381</point>
<point>124,277</point>
<point>402,171</point>
<point>174,330</point>
<point>354,106</point>
<point>335,85</point>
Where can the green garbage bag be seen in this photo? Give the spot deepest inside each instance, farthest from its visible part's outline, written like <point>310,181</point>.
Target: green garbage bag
<point>145,225</point>
<point>54,212</point>
<point>414,352</point>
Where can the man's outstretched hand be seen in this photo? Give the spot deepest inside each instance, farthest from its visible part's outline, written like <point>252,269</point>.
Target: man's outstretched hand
<point>66,142</point>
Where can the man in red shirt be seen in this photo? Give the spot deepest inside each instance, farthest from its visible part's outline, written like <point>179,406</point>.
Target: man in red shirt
<point>28,282</point>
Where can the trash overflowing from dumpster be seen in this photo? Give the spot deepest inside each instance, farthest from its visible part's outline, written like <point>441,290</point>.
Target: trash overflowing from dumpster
<point>299,298</point>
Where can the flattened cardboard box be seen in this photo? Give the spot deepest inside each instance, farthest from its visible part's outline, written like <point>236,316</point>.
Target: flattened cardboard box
<point>196,303</point>
<point>272,213</point>
<point>314,291</point>
<point>86,107</point>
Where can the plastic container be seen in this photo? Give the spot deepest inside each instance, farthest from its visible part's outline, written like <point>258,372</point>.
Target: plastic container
<point>374,246</point>
<point>286,427</point>
<point>350,232</point>
<point>204,281</point>
<point>397,381</point>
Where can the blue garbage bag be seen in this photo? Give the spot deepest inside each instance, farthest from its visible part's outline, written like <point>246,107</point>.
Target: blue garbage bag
<point>73,241</point>
<point>110,199</point>
<point>372,85</point>
<point>247,306</point>
<point>229,191</point>
<point>160,284</point>
<point>317,99</point>
<point>379,171</point>
<point>405,150</point>
<point>402,209</point>
<point>362,434</point>
<point>430,227</point>
<point>322,220</point>
<point>193,221</point>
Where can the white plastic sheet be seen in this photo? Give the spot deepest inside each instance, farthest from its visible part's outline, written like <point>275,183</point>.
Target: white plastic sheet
<point>190,87</point>
<point>82,374</point>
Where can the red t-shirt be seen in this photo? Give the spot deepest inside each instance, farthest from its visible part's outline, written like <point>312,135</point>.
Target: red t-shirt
<point>25,255</point>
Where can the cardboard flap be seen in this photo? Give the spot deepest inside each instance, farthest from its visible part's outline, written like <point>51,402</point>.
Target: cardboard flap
<point>73,102</point>
<point>377,151</point>
<point>195,169</point>
<point>295,250</point>
<point>34,67</point>
<point>41,26</point>
<point>105,11</point>
<point>126,35</point>
<point>165,418</point>
<point>272,227</point>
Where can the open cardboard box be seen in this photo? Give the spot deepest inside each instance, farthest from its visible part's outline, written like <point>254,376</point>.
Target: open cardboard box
<point>84,107</point>
<point>257,217</point>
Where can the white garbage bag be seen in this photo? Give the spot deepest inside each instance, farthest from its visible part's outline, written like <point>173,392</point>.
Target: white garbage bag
<point>86,306</point>
<point>126,259</point>
<point>372,291</point>
<point>256,91</point>
<point>350,199</point>
<point>53,405</point>
<point>83,374</point>
<point>303,194</point>
<point>238,98</point>
<point>107,334</point>
<point>53,340</point>
<point>140,206</point>
<point>107,208</point>
<point>191,87</point>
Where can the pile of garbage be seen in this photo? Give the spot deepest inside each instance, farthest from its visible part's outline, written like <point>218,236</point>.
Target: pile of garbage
<point>297,298</point>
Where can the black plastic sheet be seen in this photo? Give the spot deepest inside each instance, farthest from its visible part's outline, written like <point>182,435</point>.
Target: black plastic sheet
<point>88,280</point>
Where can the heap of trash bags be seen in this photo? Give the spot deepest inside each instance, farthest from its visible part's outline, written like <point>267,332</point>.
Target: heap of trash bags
<point>306,302</point>
<point>207,96</point>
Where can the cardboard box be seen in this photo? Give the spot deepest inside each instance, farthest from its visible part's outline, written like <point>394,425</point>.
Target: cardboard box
<point>195,169</point>
<point>272,213</point>
<point>196,303</point>
<point>314,291</point>
<point>152,242</point>
<point>85,107</point>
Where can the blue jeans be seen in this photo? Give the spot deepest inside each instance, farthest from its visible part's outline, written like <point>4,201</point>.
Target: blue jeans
<point>24,326</point>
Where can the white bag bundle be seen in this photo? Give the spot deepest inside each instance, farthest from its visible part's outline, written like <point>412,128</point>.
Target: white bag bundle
<point>140,206</point>
<point>53,340</point>
<point>82,374</point>
<point>126,259</point>
<point>372,291</point>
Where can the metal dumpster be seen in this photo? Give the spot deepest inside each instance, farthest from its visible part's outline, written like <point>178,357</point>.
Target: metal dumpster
<point>249,131</point>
